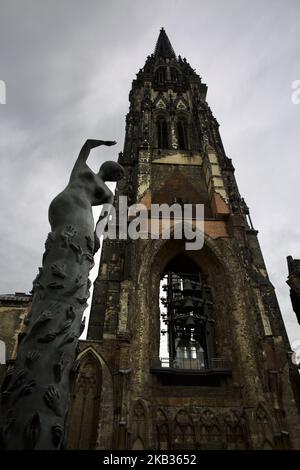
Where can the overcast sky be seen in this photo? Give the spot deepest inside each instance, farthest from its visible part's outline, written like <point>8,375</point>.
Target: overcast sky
<point>68,67</point>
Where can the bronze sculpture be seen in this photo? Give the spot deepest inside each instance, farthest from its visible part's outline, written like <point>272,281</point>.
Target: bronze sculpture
<point>36,391</point>
<point>294,284</point>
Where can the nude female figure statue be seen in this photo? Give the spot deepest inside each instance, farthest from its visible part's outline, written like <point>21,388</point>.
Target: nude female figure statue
<point>73,206</point>
<point>36,391</point>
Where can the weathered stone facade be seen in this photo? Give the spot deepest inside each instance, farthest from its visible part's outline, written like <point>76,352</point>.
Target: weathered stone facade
<point>243,397</point>
<point>13,310</point>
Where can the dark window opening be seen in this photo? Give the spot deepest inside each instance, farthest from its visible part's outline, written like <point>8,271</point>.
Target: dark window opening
<point>185,317</point>
<point>182,135</point>
<point>162,134</point>
<point>161,75</point>
<point>174,75</point>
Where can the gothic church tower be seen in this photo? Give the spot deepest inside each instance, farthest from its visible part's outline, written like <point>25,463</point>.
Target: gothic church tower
<point>219,376</point>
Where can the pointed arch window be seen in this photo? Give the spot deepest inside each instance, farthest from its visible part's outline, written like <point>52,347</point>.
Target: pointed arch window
<point>161,75</point>
<point>174,74</point>
<point>82,420</point>
<point>184,432</point>
<point>186,306</point>
<point>182,134</point>
<point>162,133</point>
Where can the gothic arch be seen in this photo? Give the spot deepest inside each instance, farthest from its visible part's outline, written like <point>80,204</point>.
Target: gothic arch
<point>161,74</point>
<point>162,430</point>
<point>182,126</point>
<point>162,131</point>
<point>157,255</point>
<point>183,436</point>
<point>160,106</point>
<point>175,74</point>
<point>139,425</point>
<point>184,111</point>
<point>219,261</point>
<point>265,428</point>
<point>84,409</point>
<point>186,312</point>
<point>91,405</point>
<point>138,444</point>
<point>210,435</point>
<point>236,430</point>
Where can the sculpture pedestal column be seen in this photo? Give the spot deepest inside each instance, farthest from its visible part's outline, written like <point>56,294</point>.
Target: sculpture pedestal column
<point>37,388</point>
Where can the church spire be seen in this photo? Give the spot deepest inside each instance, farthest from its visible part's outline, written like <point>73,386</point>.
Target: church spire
<point>163,46</point>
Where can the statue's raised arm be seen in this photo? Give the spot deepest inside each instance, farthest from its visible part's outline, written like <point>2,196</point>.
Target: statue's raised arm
<point>85,151</point>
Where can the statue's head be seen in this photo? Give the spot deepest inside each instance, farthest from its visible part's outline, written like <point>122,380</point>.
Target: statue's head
<point>111,171</point>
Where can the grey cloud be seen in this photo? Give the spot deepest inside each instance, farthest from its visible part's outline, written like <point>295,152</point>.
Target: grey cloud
<point>68,66</point>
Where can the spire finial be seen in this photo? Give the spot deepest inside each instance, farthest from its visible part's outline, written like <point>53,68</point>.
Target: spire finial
<point>163,46</point>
